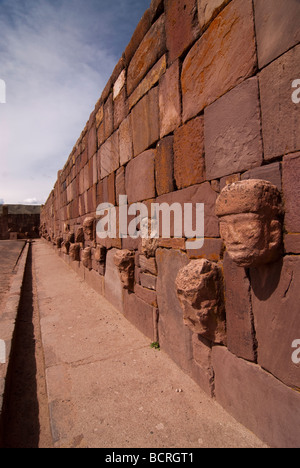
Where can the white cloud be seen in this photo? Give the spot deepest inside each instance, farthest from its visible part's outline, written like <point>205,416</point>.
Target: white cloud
<point>54,69</point>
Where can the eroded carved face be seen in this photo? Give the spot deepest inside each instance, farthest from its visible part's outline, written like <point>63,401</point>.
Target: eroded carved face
<point>250,222</point>
<point>250,238</point>
<point>88,228</point>
<point>199,290</point>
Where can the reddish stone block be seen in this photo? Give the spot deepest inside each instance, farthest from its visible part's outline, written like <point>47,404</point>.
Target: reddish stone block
<point>169,100</point>
<point>189,163</point>
<point>140,169</point>
<point>256,399</point>
<point>125,141</point>
<point>120,183</point>
<point>291,191</point>
<point>233,132</point>
<point>182,26</point>
<point>208,10</point>
<point>109,116</point>
<point>109,155</point>
<point>147,295</point>
<point>280,116</point>
<point>275,301</point>
<point>120,108</point>
<point>151,48</point>
<point>164,173</point>
<point>108,190</point>
<point>156,9</point>
<point>292,243</point>
<point>202,372</point>
<point>239,321</point>
<point>92,142</point>
<point>145,122</point>
<point>149,81</point>
<point>148,264</point>
<point>113,284</point>
<point>197,194</point>
<point>276,28</point>
<point>222,58</point>
<point>138,35</point>
<point>211,250</point>
<point>174,337</point>
<point>142,315</point>
<point>271,173</point>
<point>147,280</point>
<point>100,134</point>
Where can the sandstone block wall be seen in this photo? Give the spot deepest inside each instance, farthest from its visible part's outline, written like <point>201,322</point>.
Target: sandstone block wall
<point>19,222</point>
<point>201,97</point>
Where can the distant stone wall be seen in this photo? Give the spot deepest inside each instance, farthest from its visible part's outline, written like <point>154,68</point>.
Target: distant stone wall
<point>19,222</point>
<point>206,94</point>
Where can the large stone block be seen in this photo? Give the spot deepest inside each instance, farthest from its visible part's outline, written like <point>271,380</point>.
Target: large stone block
<point>109,155</point>
<point>208,10</point>
<point>239,321</point>
<point>271,173</point>
<point>233,132</point>
<point>181,26</point>
<point>169,100</point>
<point>92,141</point>
<point>174,337</point>
<point>151,48</point>
<point>112,282</point>
<point>139,177</point>
<point>189,162</point>
<point>197,194</point>
<point>125,141</point>
<point>222,58</point>
<point>138,35</point>
<point>277,28</point>
<point>145,122</point>
<point>109,116</point>
<point>142,315</point>
<point>164,172</point>
<point>275,302</point>
<point>256,399</point>
<point>280,115</point>
<point>291,191</point>
<point>149,81</point>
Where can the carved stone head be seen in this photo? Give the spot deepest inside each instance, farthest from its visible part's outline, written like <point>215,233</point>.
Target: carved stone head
<point>74,252</point>
<point>124,261</point>
<point>88,228</point>
<point>86,257</point>
<point>250,214</point>
<point>199,289</point>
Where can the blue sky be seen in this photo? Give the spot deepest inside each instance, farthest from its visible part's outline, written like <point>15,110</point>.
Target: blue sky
<point>56,57</point>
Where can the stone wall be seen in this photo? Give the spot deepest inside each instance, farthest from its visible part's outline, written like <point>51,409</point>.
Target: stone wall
<point>202,97</point>
<point>19,222</point>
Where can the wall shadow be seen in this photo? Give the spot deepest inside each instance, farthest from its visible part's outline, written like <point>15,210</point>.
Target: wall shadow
<point>20,417</point>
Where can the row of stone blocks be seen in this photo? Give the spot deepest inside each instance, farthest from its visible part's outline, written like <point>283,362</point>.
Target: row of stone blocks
<point>161,291</point>
<point>187,144</point>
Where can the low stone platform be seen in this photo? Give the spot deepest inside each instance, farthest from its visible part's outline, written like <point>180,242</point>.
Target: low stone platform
<point>9,254</point>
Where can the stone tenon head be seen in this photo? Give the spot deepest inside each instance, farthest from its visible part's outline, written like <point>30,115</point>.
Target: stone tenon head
<point>250,214</point>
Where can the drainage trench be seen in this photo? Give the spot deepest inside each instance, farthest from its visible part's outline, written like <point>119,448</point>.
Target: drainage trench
<point>25,410</point>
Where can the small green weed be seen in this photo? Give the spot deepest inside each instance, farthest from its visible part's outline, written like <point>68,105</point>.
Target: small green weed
<point>155,345</point>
